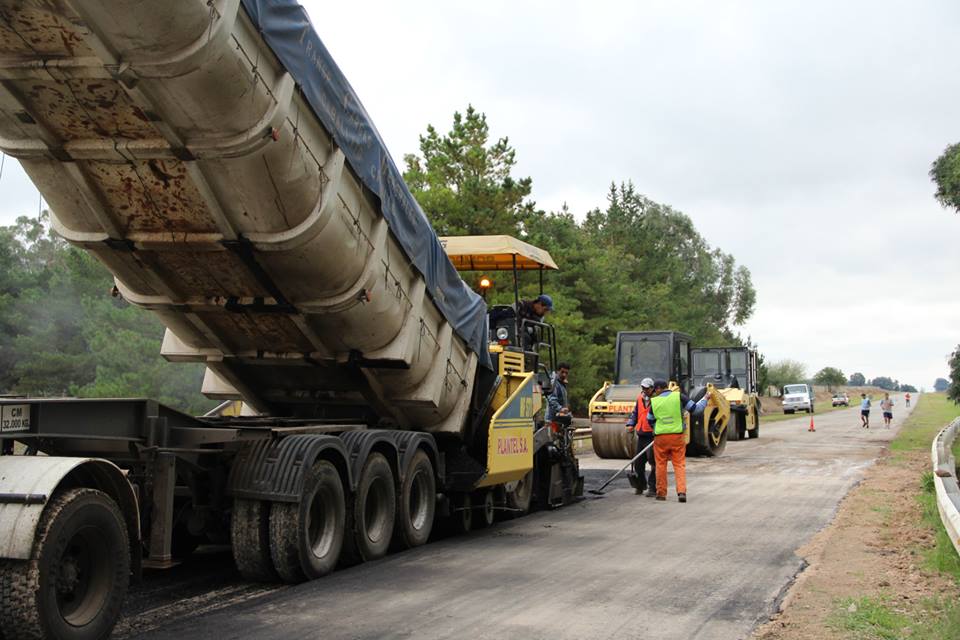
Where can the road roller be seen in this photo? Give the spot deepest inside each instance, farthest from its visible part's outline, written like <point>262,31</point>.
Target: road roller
<point>661,355</point>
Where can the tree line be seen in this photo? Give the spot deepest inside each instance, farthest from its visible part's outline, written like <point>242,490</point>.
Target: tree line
<point>62,333</point>
<point>630,263</point>
<point>787,371</point>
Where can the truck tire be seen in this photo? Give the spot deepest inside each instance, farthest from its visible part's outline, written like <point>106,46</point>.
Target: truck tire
<point>520,497</point>
<point>732,434</point>
<point>306,537</point>
<point>755,431</point>
<point>715,449</point>
<point>74,584</point>
<point>374,511</point>
<point>250,538</point>
<point>736,429</point>
<point>417,502</point>
<point>182,542</point>
<point>709,448</point>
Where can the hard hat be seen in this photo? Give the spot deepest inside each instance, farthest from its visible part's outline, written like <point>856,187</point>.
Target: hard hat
<point>546,301</point>
<point>646,383</point>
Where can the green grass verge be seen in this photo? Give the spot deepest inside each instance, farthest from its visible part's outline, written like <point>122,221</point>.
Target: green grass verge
<point>869,618</point>
<point>942,557</point>
<point>881,619</point>
<point>937,618</point>
<point>932,413</point>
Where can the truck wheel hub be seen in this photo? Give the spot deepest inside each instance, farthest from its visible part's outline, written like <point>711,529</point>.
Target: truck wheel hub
<point>69,576</point>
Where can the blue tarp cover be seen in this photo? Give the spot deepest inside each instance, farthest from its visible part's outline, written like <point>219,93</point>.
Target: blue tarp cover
<point>287,30</point>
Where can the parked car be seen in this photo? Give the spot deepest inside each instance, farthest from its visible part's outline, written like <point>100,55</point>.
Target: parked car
<point>797,397</point>
<point>841,399</point>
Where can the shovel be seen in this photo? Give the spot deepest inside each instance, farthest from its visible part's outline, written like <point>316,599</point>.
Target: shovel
<point>599,492</point>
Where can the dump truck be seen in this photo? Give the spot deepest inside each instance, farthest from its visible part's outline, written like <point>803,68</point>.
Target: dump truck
<point>733,371</point>
<point>663,355</point>
<point>213,156</point>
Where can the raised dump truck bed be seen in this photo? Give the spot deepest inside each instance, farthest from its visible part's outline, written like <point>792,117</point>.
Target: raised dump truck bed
<point>212,155</point>
<point>214,158</point>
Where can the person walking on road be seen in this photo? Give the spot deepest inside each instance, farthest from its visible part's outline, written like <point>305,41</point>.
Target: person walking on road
<point>907,398</point>
<point>644,483</point>
<point>666,417</point>
<point>886,405</point>
<point>864,411</point>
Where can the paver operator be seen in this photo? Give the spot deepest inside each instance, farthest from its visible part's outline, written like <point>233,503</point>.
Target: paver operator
<point>666,417</point>
<point>638,422</point>
<point>534,311</point>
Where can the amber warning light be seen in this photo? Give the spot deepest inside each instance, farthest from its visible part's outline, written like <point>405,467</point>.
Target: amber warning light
<point>483,284</point>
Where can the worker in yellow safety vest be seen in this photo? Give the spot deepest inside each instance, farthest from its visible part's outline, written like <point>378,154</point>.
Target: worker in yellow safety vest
<point>666,417</point>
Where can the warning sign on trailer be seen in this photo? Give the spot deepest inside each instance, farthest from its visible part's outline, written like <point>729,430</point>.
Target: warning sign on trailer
<point>14,417</point>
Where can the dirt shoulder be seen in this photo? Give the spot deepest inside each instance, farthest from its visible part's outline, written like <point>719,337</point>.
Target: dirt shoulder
<point>875,572</point>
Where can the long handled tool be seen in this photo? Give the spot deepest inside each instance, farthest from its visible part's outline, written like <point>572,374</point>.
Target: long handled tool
<point>599,491</point>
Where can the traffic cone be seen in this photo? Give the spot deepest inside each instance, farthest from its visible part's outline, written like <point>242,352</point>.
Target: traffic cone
<point>811,424</point>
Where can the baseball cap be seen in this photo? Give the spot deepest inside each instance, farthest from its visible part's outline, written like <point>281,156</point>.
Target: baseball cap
<point>646,383</point>
<point>546,301</point>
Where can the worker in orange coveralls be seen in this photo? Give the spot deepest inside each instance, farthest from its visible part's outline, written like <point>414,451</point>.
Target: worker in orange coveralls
<point>666,417</point>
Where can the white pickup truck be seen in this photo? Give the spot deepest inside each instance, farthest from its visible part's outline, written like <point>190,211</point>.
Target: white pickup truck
<point>797,397</point>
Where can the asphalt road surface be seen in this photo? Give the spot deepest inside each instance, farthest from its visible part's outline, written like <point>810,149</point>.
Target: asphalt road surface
<point>616,566</point>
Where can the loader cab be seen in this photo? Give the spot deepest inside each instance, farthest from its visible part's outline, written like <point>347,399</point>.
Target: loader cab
<point>497,266</point>
<point>713,366</point>
<point>709,365</point>
<point>725,367</point>
<point>743,367</point>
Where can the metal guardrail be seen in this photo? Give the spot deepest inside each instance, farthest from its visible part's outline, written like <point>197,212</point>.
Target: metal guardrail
<point>582,437</point>
<point>945,481</point>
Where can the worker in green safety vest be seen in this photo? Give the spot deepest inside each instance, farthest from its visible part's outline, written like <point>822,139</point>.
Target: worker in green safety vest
<point>666,417</point>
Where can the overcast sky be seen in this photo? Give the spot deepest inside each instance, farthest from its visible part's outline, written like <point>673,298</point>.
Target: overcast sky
<point>796,135</point>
